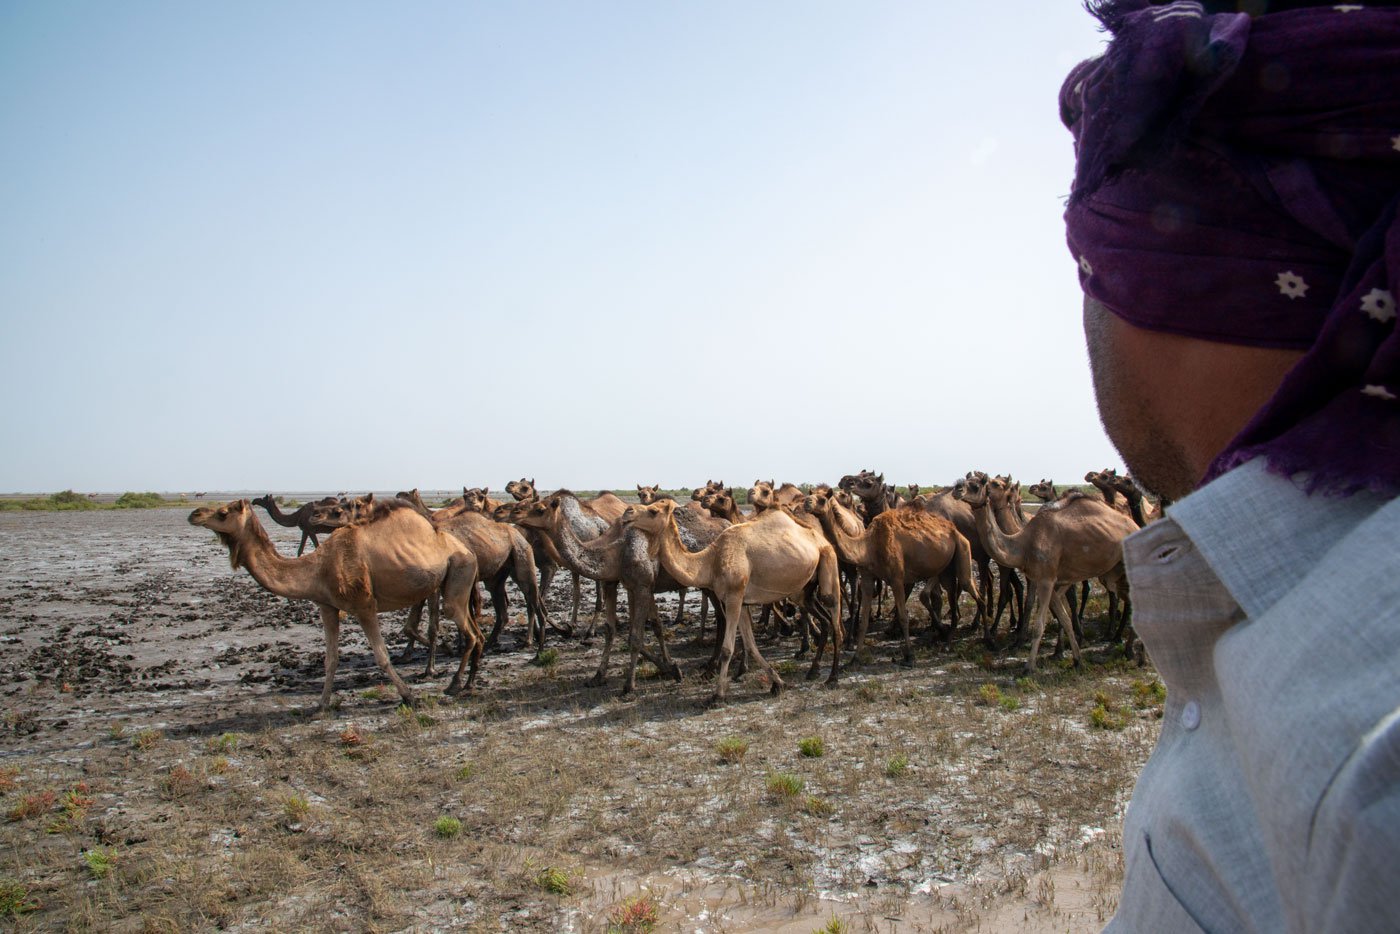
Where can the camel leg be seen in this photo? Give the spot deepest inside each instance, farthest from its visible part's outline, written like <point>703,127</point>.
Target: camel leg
<point>1060,609</point>
<point>609,632</point>
<point>457,592</point>
<point>434,615</point>
<point>410,629</point>
<point>665,663</point>
<point>863,585</point>
<point>369,622</point>
<point>1044,592</point>
<point>751,644</point>
<point>497,589</point>
<point>901,612</point>
<point>680,608</point>
<point>704,612</point>
<point>819,637</point>
<point>578,596</point>
<point>330,622</point>
<point>734,610</point>
<point>637,611</point>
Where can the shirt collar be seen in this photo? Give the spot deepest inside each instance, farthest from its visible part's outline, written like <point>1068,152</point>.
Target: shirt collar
<point>1258,531</point>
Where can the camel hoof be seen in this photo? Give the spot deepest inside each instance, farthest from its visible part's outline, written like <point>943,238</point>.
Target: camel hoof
<point>595,681</point>
<point>801,654</point>
<point>904,661</point>
<point>813,674</point>
<point>713,701</point>
<point>627,690</point>
<point>831,682</point>
<point>777,688</point>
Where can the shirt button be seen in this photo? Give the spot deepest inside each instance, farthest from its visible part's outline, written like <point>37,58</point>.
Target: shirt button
<point>1191,715</point>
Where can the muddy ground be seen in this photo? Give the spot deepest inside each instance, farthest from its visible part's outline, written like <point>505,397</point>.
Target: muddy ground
<point>160,769</point>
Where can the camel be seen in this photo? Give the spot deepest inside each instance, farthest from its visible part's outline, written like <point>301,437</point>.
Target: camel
<point>711,486</point>
<point>620,555</point>
<point>502,554</point>
<point>522,490</point>
<point>478,499</point>
<point>1065,542</point>
<point>721,503</point>
<point>456,507</point>
<point>1142,510</point>
<point>765,495</point>
<point>393,561</point>
<point>902,547</point>
<point>646,495</point>
<point>1101,481</point>
<point>870,489</point>
<point>763,561</point>
<point>303,518</point>
<point>1011,591</point>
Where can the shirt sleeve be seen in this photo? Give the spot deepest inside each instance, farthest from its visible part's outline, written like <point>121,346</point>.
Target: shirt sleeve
<point>1353,882</point>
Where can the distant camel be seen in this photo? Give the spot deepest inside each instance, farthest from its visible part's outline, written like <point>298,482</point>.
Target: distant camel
<point>304,518</point>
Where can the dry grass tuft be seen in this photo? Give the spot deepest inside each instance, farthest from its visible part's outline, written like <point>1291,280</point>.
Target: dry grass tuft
<point>732,749</point>
<point>636,915</point>
<point>812,747</point>
<point>32,805</point>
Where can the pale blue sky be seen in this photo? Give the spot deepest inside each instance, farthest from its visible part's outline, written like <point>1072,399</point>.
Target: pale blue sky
<point>349,246</point>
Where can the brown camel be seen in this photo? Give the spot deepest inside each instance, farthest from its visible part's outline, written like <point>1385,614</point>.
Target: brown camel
<point>303,518</point>
<point>523,490</point>
<point>1102,482</point>
<point>456,507</point>
<point>1140,508</point>
<point>765,495</point>
<point>721,503</point>
<point>1065,542</point>
<point>646,495</point>
<point>769,559</point>
<point>1011,591</point>
<point>396,560</point>
<point>902,547</point>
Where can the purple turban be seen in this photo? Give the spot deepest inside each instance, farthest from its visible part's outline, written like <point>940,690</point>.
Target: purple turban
<point>1238,180</point>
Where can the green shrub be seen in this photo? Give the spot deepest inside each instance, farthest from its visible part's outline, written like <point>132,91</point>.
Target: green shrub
<point>447,827</point>
<point>896,765</point>
<point>784,784</point>
<point>99,861</point>
<point>14,899</point>
<point>732,749</point>
<point>812,747</point>
<point>547,658</point>
<point>636,915</point>
<point>553,880</point>
<point>129,500</point>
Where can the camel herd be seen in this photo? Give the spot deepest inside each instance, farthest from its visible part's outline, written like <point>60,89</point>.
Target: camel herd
<point>823,555</point>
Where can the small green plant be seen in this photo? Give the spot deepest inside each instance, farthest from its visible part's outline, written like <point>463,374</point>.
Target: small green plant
<point>1009,703</point>
<point>447,827</point>
<point>228,742</point>
<point>131,500</point>
<point>146,739</point>
<point>812,747</point>
<point>818,807</point>
<point>75,804</point>
<point>296,808</point>
<point>787,667</point>
<point>784,784</point>
<point>1101,718</point>
<point>116,731</point>
<point>100,861</point>
<point>732,749</point>
<point>375,693</point>
<point>1026,683</point>
<point>896,765</point>
<point>220,765</point>
<point>14,899</point>
<point>990,694</point>
<point>636,915</point>
<point>546,658</point>
<point>1102,699</point>
<point>464,773</point>
<point>1148,694</point>
<point>553,880</point>
<point>834,926</point>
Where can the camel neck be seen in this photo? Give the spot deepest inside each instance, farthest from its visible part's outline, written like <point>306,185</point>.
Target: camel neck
<point>293,578</point>
<point>592,563</point>
<point>288,520</point>
<point>687,567</point>
<point>1002,547</point>
<point>853,549</point>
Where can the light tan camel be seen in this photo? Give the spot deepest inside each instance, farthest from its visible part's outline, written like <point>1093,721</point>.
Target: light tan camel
<point>1101,481</point>
<point>769,559</point>
<point>901,547</point>
<point>646,495</point>
<point>394,561</point>
<point>523,490</point>
<point>1065,542</point>
<point>765,495</point>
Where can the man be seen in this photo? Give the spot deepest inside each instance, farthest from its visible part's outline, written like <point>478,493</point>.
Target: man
<point>1234,218</point>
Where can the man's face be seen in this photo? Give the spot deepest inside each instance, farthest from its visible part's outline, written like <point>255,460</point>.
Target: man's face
<point>1171,404</point>
<point>1131,408</point>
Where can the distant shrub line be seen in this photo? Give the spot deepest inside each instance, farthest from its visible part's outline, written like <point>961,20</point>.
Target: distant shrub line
<point>68,501</point>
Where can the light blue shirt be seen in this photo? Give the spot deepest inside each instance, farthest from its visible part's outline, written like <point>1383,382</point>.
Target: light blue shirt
<point>1272,800</point>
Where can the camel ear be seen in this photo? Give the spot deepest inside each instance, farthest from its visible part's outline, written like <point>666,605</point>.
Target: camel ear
<point>369,498</point>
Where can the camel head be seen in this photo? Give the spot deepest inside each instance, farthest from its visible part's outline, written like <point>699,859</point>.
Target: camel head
<point>761,494</point>
<point>646,495</point>
<point>521,489</point>
<point>913,490</point>
<point>1043,491</point>
<point>650,519</point>
<point>972,490</point>
<point>231,522</point>
<point>818,503</point>
<point>474,500</point>
<point>265,501</point>
<point>539,514</point>
<point>868,486</point>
